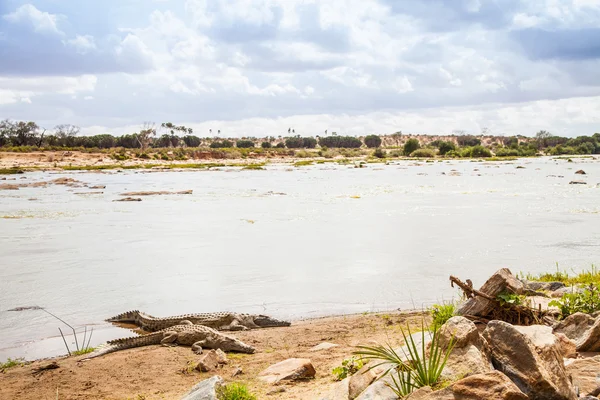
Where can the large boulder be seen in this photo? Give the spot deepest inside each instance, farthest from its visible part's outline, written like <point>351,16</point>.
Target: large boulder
<point>291,369</point>
<point>360,381</point>
<point>339,391</point>
<point>531,357</point>
<point>205,390</point>
<point>586,374</point>
<point>502,281</point>
<point>379,391</point>
<point>583,329</point>
<point>492,385</point>
<point>469,355</point>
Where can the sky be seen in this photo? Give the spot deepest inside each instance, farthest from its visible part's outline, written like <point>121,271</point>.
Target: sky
<point>259,67</point>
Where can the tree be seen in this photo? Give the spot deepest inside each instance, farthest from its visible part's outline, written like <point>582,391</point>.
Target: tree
<point>309,142</point>
<point>349,142</point>
<point>244,144</point>
<point>295,142</point>
<point>445,147</point>
<point>66,134</point>
<point>397,137</point>
<point>542,135</point>
<point>373,141</point>
<point>146,135</point>
<point>191,141</point>
<point>266,145</point>
<point>410,146</point>
<point>20,133</point>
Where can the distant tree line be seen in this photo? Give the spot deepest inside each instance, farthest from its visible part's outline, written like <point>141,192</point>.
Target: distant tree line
<point>29,134</point>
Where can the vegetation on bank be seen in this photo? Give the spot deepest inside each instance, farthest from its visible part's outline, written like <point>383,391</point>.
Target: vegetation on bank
<point>11,363</point>
<point>234,391</point>
<point>169,141</point>
<point>585,277</point>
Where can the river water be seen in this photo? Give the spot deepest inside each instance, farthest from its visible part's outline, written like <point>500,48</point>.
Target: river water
<point>289,242</point>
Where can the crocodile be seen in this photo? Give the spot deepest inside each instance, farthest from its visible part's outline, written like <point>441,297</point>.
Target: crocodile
<point>186,334</point>
<point>223,321</point>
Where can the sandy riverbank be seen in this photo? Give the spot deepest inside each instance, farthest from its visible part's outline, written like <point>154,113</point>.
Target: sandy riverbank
<point>156,372</point>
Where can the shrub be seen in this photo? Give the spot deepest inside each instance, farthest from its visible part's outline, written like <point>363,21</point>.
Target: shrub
<point>295,142</point>
<point>445,147</point>
<point>266,145</point>
<point>309,142</point>
<point>586,302</point>
<point>349,366</point>
<point>468,140</point>
<point>223,144</point>
<point>480,151</point>
<point>440,313</point>
<point>379,153</point>
<point>373,141</point>
<point>234,391</point>
<point>348,142</point>
<point>452,154</point>
<point>423,153</point>
<point>244,144</point>
<point>410,146</point>
<point>191,141</point>
<point>280,145</point>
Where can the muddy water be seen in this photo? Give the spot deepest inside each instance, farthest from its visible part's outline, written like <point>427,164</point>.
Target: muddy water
<point>294,243</point>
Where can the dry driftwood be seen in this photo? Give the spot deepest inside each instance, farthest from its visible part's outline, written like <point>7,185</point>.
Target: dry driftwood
<point>516,314</point>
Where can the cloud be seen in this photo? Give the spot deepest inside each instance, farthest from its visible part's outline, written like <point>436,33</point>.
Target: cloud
<point>82,43</point>
<point>565,44</point>
<point>42,22</point>
<point>15,90</point>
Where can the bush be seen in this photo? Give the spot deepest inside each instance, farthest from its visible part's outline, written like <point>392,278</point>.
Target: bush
<point>373,141</point>
<point>440,313</point>
<point>191,141</point>
<point>244,144</point>
<point>350,366</point>
<point>234,391</point>
<point>586,302</point>
<point>480,151</point>
<point>280,145</point>
<point>410,146</point>
<point>423,153</point>
<point>468,141</point>
<point>452,154</point>
<point>348,142</point>
<point>224,144</point>
<point>379,153</point>
<point>309,142</point>
<point>295,142</point>
<point>266,145</point>
<point>445,147</point>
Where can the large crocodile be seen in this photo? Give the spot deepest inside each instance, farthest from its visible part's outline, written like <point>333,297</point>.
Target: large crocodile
<point>196,336</point>
<point>223,321</point>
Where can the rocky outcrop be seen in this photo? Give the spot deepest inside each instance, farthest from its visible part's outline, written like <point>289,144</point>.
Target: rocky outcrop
<point>502,281</point>
<point>290,370</point>
<point>530,356</point>
<point>585,373</point>
<point>470,354</point>
<point>205,390</point>
<point>583,329</point>
<point>492,385</point>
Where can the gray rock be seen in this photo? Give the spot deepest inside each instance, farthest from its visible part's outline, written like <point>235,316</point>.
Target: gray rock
<point>566,290</point>
<point>547,286</point>
<point>339,391</point>
<point>323,346</point>
<point>291,369</point>
<point>378,391</point>
<point>205,390</point>
<point>583,329</point>
<point>586,374</point>
<point>531,357</point>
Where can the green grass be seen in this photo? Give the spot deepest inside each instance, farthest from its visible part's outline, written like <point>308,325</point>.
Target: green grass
<point>11,363</point>
<point>234,391</point>
<point>83,351</point>
<point>303,163</point>
<point>584,277</point>
<point>10,171</point>
<point>440,313</point>
<point>254,166</point>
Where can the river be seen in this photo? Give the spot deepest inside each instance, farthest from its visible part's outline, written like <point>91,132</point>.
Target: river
<point>290,242</point>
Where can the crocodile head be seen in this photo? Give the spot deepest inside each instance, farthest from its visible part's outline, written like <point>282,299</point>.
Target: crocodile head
<point>264,321</point>
<point>228,343</point>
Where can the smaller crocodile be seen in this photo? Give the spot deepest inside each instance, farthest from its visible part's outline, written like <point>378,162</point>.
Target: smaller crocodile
<point>196,336</point>
<point>223,321</point>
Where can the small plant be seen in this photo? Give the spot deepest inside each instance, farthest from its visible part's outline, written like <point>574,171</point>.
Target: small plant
<point>379,153</point>
<point>83,351</point>
<point>440,313</point>
<point>303,163</point>
<point>417,368</point>
<point>510,298</point>
<point>10,363</point>
<point>587,302</point>
<point>234,391</point>
<point>349,367</point>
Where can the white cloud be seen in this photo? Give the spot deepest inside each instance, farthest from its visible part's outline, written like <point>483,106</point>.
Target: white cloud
<point>42,22</point>
<point>82,43</point>
<point>23,89</point>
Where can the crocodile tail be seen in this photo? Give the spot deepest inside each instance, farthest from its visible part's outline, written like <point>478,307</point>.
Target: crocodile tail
<point>126,343</point>
<point>129,316</point>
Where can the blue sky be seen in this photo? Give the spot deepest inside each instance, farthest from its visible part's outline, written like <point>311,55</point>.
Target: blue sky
<point>257,67</point>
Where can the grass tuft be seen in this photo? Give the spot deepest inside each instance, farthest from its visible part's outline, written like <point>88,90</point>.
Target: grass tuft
<point>11,363</point>
<point>83,351</point>
<point>585,277</point>
<point>234,391</point>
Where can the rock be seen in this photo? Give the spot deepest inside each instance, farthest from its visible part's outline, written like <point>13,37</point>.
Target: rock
<point>568,348</point>
<point>580,172</point>
<point>291,369</point>
<point>530,356</point>
<point>211,360</point>
<point>237,372</point>
<point>578,183</point>
<point>502,281</point>
<point>360,381</point>
<point>537,301</point>
<point>566,290</point>
<point>160,193</point>
<point>378,391</point>
<point>205,390</point>
<point>586,374</point>
<point>493,385</point>
<point>323,346</point>
<point>129,199</point>
<point>98,187</point>
<point>470,354</point>
<point>583,329</point>
<point>421,394</point>
<point>548,286</point>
